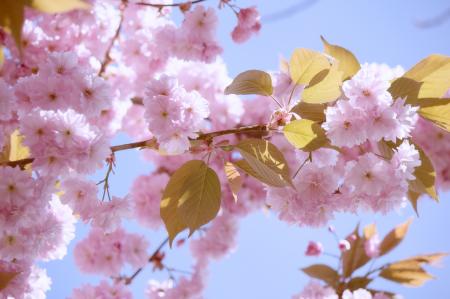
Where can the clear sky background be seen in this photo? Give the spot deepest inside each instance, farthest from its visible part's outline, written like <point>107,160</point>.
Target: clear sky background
<point>270,253</point>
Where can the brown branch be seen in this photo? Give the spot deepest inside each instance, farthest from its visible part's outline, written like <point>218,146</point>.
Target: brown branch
<point>152,143</point>
<point>169,5</point>
<point>107,59</point>
<point>129,280</point>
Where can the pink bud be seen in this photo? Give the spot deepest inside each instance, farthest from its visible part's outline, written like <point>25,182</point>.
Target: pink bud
<point>344,245</point>
<point>353,238</point>
<point>314,249</point>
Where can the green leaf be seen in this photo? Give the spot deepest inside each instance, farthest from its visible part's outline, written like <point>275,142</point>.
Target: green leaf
<point>314,112</point>
<point>251,82</point>
<point>394,237</point>
<point>425,176</point>
<point>200,201</point>
<point>234,179</point>
<point>58,6</point>
<point>305,64</point>
<point>347,62</point>
<point>326,90</point>
<point>264,162</point>
<point>190,199</point>
<point>305,134</point>
<point>322,272</point>
<point>5,278</point>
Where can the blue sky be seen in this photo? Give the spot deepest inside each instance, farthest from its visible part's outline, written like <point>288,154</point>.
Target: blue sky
<point>270,253</point>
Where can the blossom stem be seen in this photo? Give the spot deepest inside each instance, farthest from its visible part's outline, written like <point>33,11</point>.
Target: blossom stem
<point>107,59</point>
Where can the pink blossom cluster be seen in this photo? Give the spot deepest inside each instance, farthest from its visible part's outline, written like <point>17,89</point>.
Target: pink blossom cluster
<point>368,112</point>
<point>248,24</point>
<point>81,196</point>
<point>360,175</point>
<point>63,82</point>
<point>62,141</point>
<point>173,114</point>
<point>427,136</point>
<point>107,253</point>
<point>36,226</point>
<point>104,290</point>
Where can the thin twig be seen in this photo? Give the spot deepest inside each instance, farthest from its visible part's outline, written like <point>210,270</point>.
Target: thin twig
<point>107,59</point>
<point>129,280</point>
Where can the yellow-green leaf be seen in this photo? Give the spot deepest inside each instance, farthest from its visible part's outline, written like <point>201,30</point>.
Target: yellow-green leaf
<point>322,272</point>
<point>305,64</point>
<point>251,82</point>
<point>5,278</point>
<point>2,57</point>
<point>171,196</point>
<point>394,237</point>
<point>426,67</point>
<point>370,231</point>
<point>314,112</point>
<point>234,179</point>
<point>199,202</point>
<point>264,160</point>
<point>425,176</point>
<point>190,199</point>
<point>305,134</point>
<point>327,90</point>
<point>434,72</point>
<point>58,6</point>
<point>347,62</point>
<point>437,111</point>
<point>17,150</point>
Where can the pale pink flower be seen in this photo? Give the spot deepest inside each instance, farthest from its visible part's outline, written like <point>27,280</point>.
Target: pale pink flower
<point>314,290</point>
<point>248,24</point>
<point>345,124</point>
<point>372,246</point>
<point>7,101</point>
<point>358,294</point>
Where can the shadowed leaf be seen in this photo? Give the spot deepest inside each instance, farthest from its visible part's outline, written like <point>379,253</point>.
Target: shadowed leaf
<point>266,162</point>
<point>251,82</point>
